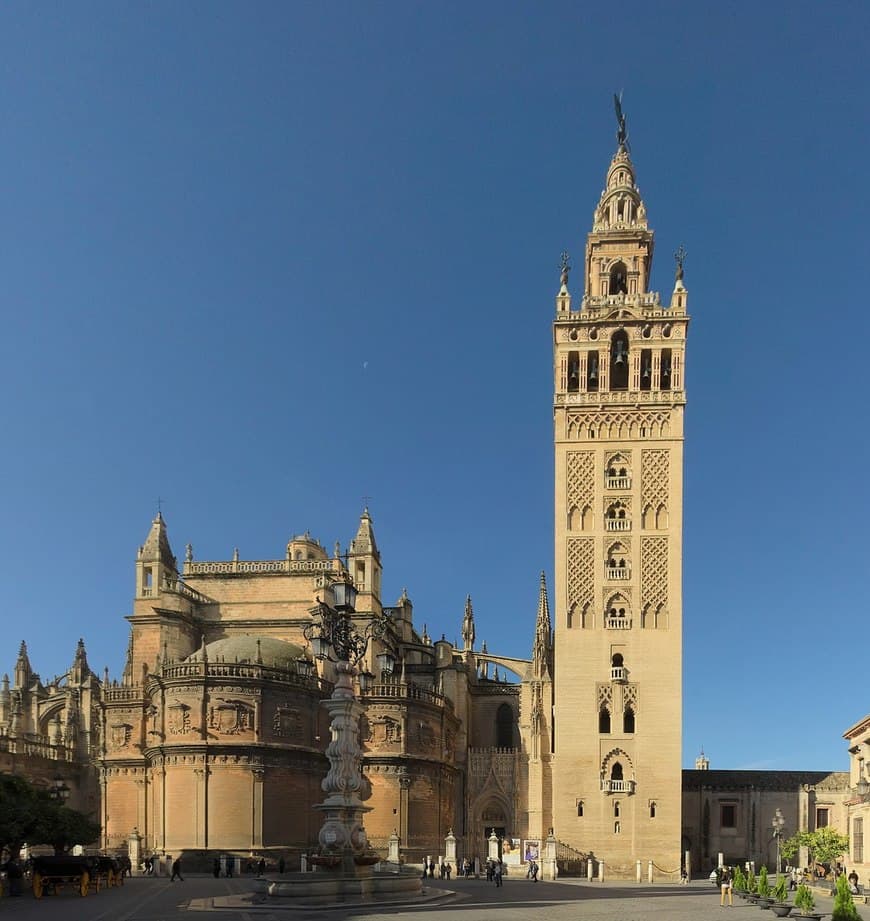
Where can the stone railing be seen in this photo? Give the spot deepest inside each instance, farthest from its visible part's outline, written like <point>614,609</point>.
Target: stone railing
<point>617,786</point>
<point>409,691</point>
<point>617,524</point>
<point>619,573</point>
<point>221,567</point>
<point>618,623</point>
<point>601,301</point>
<point>122,694</point>
<point>623,396</point>
<point>33,746</point>
<point>618,482</point>
<point>241,670</point>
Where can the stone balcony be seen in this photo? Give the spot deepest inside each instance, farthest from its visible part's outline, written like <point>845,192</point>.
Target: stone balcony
<point>617,524</point>
<point>617,786</point>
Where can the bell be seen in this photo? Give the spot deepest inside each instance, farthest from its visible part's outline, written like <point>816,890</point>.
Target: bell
<point>646,373</point>
<point>593,372</point>
<point>666,370</point>
<point>620,354</point>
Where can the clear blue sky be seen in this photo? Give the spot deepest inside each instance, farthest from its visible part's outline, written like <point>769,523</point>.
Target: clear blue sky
<point>264,260</point>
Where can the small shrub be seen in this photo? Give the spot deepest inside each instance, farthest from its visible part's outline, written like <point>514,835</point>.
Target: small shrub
<point>780,893</point>
<point>844,904</point>
<point>763,884</point>
<point>751,881</point>
<point>804,899</point>
<point>739,880</point>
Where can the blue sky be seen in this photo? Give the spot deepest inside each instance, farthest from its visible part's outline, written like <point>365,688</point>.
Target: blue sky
<point>264,260</point>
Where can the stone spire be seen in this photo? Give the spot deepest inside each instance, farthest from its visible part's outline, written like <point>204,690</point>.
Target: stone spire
<point>364,542</point>
<point>23,671</point>
<point>156,548</point>
<point>80,668</point>
<point>468,626</point>
<point>542,649</point>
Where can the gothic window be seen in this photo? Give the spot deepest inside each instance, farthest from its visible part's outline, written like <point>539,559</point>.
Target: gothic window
<point>616,517</point>
<point>665,373</point>
<point>616,807</point>
<point>617,563</point>
<point>618,614</point>
<point>604,720</point>
<point>616,774</point>
<point>618,671</point>
<point>573,372</point>
<point>628,720</point>
<point>592,371</point>
<point>618,279</point>
<point>646,369</point>
<point>618,473</point>
<point>504,727</point>
<point>619,360</point>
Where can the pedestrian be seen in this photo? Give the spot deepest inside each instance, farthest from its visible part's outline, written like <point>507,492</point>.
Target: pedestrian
<point>281,864</point>
<point>261,866</point>
<point>684,877</point>
<point>853,882</point>
<point>449,870</point>
<point>534,871</point>
<point>230,866</point>
<point>431,869</point>
<point>725,887</point>
<point>216,868</point>
<point>497,872</point>
<point>176,870</point>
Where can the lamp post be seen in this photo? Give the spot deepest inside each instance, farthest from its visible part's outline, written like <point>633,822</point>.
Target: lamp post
<point>59,791</point>
<point>778,824</point>
<point>333,636</point>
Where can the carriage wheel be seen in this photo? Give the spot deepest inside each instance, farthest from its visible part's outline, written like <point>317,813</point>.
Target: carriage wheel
<point>83,884</point>
<point>37,885</point>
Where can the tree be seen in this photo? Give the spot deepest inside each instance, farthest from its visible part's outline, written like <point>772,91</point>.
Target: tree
<point>30,815</point>
<point>18,812</point>
<point>826,845</point>
<point>790,846</point>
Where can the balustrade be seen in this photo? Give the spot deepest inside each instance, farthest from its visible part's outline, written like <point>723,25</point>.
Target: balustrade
<point>617,524</point>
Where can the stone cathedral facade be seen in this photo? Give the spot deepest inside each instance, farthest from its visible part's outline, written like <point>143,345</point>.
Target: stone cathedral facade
<point>212,740</point>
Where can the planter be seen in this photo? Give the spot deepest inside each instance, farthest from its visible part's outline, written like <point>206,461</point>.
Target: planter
<point>781,909</point>
<point>764,901</point>
<point>810,916</point>
<point>366,860</point>
<point>325,860</point>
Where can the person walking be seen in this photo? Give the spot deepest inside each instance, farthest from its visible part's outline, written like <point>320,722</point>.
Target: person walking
<point>281,864</point>
<point>497,872</point>
<point>725,886</point>
<point>230,865</point>
<point>261,866</point>
<point>176,870</point>
<point>216,868</point>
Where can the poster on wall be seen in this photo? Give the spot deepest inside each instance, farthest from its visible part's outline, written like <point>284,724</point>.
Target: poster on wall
<point>531,850</point>
<point>511,852</point>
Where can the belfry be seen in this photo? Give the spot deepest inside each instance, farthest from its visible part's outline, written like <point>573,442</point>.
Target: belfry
<point>618,431</point>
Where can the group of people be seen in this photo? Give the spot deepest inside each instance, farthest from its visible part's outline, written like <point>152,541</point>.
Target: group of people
<point>494,871</point>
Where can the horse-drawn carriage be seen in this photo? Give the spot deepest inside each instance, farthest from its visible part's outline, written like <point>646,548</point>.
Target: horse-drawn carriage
<point>51,874</point>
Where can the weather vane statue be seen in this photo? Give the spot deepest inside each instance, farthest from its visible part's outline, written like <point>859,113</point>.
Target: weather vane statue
<point>680,258</point>
<point>565,268</point>
<point>621,130</point>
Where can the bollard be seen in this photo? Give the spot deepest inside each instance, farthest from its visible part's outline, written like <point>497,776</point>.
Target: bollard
<point>649,872</point>
<point>638,870</point>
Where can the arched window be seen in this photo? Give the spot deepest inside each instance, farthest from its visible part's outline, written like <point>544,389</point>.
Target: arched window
<point>504,727</point>
<point>604,720</point>
<point>628,720</point>
<point>592,371</point>
<point>573,372</point>
<point>579,808</point>
<point>616,809</point>
<point>618,279</point>
<point>652,810</point>
<point>619,360</point>
<point>616,774</point>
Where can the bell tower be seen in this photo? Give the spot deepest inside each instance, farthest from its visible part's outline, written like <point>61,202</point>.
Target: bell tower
<point>618,430</point>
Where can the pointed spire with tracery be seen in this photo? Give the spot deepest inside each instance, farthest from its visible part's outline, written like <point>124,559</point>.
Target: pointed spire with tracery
<point>468,626</point>
<point>23,670</point>
<point>542,650</point>
<point>156,548</point>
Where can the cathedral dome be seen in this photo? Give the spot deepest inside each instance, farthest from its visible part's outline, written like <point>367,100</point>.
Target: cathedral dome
<point>250,649</point>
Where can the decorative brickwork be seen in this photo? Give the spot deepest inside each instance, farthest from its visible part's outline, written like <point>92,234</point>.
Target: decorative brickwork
<point>654,580</point>
<point>581,577</point>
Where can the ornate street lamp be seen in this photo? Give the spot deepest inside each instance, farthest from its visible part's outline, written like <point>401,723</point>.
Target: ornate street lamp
<point>334,636</point>
<point>59,791</point>
<point>778,824</point>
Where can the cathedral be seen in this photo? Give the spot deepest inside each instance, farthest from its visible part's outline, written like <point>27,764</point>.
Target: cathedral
<point>212,741</point>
